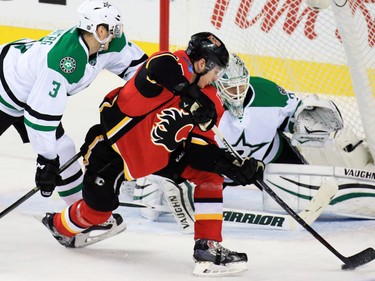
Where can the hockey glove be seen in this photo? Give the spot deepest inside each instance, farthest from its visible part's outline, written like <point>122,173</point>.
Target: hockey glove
<point>202,110</point>
<point>247,173</point>
<point>47,175</point>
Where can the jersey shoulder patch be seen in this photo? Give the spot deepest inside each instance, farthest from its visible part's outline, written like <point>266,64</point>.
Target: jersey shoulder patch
<point>68,57</point>
<point>268,93</point>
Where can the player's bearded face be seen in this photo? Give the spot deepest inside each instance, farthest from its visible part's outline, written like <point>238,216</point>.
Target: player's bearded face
<point>211,76</point>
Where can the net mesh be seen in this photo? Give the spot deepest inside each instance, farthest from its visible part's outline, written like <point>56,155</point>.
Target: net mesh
<point>286,41</point>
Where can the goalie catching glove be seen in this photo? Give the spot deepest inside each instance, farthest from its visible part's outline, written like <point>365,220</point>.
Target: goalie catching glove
<point>246,173</point>
<point>47,175</point>
<point>315,119</point>
<point>202,110</point>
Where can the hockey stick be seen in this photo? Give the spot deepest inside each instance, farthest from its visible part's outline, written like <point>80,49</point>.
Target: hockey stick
<point>351,262</point>
<point>35,189</point>
<point>159,208</point>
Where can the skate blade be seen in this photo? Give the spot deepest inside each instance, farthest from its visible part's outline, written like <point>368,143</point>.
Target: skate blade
<point>211,269</point>
<point>91,237</point>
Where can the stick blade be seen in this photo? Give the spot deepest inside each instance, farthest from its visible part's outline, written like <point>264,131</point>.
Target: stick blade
<point>359,259</point>
<point>320,201</point>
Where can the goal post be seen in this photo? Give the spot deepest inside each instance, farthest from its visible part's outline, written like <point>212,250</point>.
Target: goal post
<point>359,49</point>
<point>164,25</point>
<point>328,51</point>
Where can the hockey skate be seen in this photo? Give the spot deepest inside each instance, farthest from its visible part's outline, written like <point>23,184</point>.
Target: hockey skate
<point>113,226</point>
<point>212,259</point>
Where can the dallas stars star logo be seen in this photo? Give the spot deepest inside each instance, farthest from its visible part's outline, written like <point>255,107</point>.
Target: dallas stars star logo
<point>68,64</point>
<point>106,5</point>
<point>246,149</point>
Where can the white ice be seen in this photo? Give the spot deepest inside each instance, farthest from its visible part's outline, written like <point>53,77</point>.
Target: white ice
<point>156,250</point>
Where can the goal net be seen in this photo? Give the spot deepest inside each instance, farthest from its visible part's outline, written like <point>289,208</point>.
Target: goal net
<point>327,52</point>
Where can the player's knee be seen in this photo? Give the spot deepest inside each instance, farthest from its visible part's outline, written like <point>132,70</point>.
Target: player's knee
<point>100,193</point>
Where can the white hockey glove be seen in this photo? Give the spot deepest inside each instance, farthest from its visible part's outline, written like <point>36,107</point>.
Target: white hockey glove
<point>315,120</point>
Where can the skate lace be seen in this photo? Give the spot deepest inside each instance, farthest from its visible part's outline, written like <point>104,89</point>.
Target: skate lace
<point>110,221</point>
<point>220,249</point>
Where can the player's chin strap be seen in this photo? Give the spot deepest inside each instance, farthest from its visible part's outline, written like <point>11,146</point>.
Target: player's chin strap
<point>102,42</point>
<point>351,262</point>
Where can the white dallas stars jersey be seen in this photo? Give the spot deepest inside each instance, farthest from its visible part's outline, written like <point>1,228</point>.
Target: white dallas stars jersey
<point>269,108</point>
<point>38,76</point>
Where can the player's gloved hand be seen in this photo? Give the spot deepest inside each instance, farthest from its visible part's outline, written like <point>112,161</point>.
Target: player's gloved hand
<point>247,173</point>
<point>200,107</point>
<point>47,175</point>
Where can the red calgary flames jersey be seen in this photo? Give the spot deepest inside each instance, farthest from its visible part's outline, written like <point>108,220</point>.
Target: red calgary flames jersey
<point>143,120</point>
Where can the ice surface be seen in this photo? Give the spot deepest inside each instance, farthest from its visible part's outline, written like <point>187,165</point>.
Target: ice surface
<point>156,250</point>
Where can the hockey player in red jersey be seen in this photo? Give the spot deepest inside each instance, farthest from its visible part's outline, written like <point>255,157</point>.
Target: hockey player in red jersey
<point>164,112</point>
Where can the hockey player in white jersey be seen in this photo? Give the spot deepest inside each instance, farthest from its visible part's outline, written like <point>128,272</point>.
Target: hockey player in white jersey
<point>36,77</point>
<point>258,115</point>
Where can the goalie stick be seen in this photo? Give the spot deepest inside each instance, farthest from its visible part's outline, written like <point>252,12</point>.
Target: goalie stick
<point>351,262</point>
<point>35,189</point>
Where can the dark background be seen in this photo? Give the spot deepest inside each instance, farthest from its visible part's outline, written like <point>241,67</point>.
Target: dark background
<point>60,2</point>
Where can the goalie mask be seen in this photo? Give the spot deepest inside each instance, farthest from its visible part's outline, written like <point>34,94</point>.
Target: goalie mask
<point>233,85</point>
<point>93,13</point>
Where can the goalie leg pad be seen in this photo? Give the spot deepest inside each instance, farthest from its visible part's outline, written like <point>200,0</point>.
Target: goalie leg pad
<point>148,191</point>
<point>297,184</point>
<point>177,197</point>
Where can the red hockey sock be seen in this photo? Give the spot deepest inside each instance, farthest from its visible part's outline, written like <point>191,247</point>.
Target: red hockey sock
<point>77,218</point>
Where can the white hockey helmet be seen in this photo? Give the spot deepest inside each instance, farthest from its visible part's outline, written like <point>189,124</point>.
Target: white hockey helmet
<point>233,85</point>
<point>92,13</point>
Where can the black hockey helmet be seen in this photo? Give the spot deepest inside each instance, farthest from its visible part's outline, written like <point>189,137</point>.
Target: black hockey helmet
<point>209,47</point>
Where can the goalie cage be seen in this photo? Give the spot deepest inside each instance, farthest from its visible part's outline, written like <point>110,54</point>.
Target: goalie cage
<point>329,52</point>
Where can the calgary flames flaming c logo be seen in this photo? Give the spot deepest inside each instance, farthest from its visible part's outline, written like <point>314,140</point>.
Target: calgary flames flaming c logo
<point>173,127</point>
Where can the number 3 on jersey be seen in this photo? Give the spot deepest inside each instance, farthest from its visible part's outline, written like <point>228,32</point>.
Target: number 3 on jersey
<point>55,89</point>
